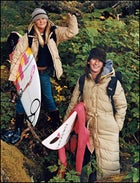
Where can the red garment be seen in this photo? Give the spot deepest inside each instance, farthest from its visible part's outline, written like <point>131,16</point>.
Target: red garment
<point>83,138</point>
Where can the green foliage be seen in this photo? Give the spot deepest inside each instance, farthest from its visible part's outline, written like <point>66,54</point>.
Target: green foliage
<point>56,179</point>
<point>116,37</point>
<point>74,55</point>
<point>134,150</point>
<point>134,174</point>
<point>7,111</point>
<point>121,41</point>
<point>121,44</point>
<point>13,14</point>
<point>134,171</point>
<point>70,175</point>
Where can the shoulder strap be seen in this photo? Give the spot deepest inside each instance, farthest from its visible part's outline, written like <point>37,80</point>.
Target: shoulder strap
<point>113,82</point>
<point>30,37</point>
<point>53,28</point>
<point>30,40</point>
<point>119,76</point>
<point>53,33</point>
<point>81,83</point>
<point>111,88</point>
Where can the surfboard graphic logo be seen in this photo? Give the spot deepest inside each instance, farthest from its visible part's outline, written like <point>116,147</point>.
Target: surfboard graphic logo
<point>24,61</point>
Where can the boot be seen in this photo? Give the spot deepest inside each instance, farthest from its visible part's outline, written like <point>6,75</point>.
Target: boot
<point>19,121</point>
<point>13,136</point>
<point>18,128</point>
<point>56,122</point>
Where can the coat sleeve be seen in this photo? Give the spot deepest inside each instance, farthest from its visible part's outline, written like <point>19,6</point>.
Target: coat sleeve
<point>120,104</point>
<point>66,33</point>
<point>19,50</point>
<point>74,100</point>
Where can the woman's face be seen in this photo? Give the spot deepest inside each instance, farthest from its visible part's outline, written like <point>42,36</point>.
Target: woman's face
<point>95,66</point>
<point>41,24</point>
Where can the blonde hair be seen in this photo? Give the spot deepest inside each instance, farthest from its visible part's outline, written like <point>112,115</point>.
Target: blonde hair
<point>37,33</point>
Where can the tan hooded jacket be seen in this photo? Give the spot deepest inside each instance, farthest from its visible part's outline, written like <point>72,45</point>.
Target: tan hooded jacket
<point>62,34</point>
<point>103,125</point>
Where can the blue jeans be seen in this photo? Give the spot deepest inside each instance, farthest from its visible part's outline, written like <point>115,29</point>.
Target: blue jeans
<point>19,106</point>
<point>46,92</point>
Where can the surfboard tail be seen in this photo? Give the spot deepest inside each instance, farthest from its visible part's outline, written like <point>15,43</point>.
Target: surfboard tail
<point>60,137</point>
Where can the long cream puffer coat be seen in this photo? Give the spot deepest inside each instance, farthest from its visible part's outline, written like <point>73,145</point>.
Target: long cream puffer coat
<point>103,125</point>
<point>62,34</point>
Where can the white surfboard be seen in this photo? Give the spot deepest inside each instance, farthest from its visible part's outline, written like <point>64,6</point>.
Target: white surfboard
<point>28,86</point>
<point>60,137</point>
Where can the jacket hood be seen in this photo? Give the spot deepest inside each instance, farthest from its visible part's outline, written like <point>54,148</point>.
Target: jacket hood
<point>108,68</point>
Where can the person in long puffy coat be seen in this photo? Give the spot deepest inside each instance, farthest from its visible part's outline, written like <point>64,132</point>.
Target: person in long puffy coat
<point>103,124</point>
<point>45,37</point>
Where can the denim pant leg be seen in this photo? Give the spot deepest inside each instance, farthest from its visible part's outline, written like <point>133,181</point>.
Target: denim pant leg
<point>47,92</point>
<point>19,107</point>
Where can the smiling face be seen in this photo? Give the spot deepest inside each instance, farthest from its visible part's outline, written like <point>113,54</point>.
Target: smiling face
<point>95,66</point>
<point>41,24</point>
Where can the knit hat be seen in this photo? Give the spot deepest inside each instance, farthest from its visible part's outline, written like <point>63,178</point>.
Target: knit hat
<point>97,53</point>
<point>38,13</point>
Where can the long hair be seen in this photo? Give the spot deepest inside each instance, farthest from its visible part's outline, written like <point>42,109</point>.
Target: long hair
<point>95,53</point>
<point>37,33</point>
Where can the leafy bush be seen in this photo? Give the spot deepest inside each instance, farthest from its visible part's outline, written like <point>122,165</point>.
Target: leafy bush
<point>7,111</point>
<point>121,41</point>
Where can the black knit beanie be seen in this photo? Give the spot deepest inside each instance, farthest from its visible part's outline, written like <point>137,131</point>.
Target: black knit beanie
<point>97,53</point>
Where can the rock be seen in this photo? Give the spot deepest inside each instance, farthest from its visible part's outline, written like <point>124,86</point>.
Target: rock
<point>14,164</point>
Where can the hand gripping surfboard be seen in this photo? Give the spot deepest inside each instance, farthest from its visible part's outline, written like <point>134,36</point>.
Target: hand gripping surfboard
<point>60,137</point>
